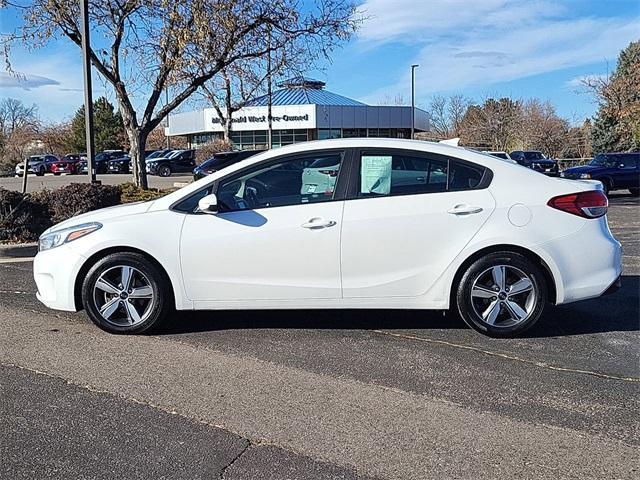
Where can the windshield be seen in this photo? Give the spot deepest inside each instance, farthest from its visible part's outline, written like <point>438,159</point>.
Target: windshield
<point>602,160</point>
<point>174,154</point>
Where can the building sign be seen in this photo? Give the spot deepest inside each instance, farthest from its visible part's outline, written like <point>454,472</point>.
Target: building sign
<point>255,118</point>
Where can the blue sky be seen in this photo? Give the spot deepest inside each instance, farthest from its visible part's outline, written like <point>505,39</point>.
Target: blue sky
<point>480,48</point>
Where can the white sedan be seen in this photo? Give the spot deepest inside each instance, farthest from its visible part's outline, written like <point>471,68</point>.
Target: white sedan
<point>405,225</point>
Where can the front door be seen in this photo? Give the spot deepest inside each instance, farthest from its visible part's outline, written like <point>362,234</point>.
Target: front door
<point>411,215</point>
<point>275,238</point>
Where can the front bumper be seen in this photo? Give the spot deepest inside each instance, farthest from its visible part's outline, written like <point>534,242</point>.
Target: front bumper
<point>55,272</point>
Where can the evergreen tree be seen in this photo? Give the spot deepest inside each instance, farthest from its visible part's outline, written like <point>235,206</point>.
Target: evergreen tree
<point>108,128</point>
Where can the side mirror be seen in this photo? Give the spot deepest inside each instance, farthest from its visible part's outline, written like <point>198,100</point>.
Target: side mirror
<point>208,204</point>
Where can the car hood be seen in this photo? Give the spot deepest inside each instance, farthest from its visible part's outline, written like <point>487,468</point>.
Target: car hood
<point>104,214</point>
<point>583,169</point>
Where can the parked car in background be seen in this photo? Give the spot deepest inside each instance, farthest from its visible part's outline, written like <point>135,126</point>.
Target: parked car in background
<point>38,164</point>
<point>500,154</point>
<point>488,239</point>
<point>67,164</point>
<point>616,171</point>
<point>177,161</point>
<point>101,161</point>
<point>120,165</point>
<point>535,160</point>
<point>221,160</point>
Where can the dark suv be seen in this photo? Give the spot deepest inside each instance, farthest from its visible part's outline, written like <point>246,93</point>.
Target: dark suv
<point>221,160</point>
<point>535,160</point>
<point>616,171</point>
<point>101,161</point>
<point>177,161</point>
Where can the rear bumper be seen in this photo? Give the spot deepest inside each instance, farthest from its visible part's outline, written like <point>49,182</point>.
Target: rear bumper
<point>588,262</point>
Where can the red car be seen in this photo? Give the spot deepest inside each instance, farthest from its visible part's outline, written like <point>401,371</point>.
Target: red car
<point>67,164</point>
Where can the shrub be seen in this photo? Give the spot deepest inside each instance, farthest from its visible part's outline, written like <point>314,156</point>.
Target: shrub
<point>130,193</point>
<point>77,198</point>
<point>22,217</point>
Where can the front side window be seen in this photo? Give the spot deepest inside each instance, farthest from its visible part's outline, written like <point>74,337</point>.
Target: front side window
<point>291,182</point>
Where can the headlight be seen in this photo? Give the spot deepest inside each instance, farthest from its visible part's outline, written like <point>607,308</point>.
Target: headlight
<point>59,237</point>
<point>585,175</point>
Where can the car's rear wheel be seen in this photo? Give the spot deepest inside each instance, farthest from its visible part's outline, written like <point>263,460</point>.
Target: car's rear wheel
<point>164,171</point>
<point>126,293</point>
<point>501,294</point>
<point>634,191</point>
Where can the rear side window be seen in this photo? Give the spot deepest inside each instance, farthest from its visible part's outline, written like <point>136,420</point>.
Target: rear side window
<point>464,176</point>
<point>399,174</point>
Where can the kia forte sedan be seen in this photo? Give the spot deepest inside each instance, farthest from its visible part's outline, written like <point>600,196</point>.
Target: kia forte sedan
<point>405,225</point>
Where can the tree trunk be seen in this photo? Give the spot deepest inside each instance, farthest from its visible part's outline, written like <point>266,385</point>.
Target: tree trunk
<point>227,129</point>
<point>137,142</point>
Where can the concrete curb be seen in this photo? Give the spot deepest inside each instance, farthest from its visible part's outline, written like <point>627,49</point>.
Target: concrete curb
<point>18,250</point>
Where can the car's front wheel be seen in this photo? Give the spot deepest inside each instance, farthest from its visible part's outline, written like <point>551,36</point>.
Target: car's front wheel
<point>164,171</point>
<point>501,294</point>
<point>126,293</point>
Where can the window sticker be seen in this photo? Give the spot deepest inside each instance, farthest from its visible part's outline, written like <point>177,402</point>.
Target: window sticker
<point>375,174</point>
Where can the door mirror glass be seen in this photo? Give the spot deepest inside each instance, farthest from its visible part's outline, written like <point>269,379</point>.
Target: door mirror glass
<point>208,204</point>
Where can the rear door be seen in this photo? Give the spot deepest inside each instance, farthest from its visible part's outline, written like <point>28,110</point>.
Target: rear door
<point>627,171</point>
<point>408,215</point>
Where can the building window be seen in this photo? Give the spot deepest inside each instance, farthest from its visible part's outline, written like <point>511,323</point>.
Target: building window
<point>325,133</point>
<point>354,132</point>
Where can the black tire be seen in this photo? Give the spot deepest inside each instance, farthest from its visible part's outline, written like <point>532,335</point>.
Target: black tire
<point>148,276</point>
<point>606,186</point>
<point>634,191</point>
<point>164,171</point>
<point>534,302</point>
<point>40,172</point>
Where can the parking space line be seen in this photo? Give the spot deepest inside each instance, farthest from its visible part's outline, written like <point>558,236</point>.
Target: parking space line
<point>16,260</point>
<point>509,357</point>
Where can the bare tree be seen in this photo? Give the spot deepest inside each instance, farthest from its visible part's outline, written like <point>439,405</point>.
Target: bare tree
<point>19,125</point>
<point>184,43</point>
<point>447,114</point>
<point>239,83</point>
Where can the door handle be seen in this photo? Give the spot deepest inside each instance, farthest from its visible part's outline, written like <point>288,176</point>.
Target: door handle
<point>317,223</point>
<point>464,209</point>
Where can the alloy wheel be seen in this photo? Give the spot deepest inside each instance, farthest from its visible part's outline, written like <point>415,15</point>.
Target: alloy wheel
<point>503,296</point>
<point>123,296</point>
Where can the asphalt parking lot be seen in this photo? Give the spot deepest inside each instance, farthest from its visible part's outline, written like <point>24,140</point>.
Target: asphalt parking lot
<point>324,395</point>
<point>51,181</point>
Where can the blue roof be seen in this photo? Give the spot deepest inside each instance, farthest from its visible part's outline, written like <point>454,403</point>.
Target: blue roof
<point>303,91</point>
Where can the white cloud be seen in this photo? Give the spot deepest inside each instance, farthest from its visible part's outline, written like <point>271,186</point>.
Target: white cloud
<point>24,81</point>
<point>53,81</point>
<point>579,81</point>
<point>475,44</point>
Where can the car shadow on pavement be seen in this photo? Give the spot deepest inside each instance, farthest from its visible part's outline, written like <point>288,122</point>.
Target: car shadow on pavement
<point>616,312</point>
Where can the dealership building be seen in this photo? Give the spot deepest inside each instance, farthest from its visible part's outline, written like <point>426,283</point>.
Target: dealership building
<point>301,110</point>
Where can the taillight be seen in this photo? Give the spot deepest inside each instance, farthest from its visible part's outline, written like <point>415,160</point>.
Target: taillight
<point>331,173</point>
<point>591,204</point>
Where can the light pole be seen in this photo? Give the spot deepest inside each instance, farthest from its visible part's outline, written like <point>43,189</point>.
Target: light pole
<point>413,98</point>
<point>88,101</point>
